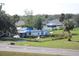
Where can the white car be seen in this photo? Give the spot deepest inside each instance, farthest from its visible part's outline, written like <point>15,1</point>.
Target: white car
<point>16,36</point>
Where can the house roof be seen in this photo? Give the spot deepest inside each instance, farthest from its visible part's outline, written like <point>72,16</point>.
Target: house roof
<point>24,29</point>
<point>54,23</point>
<point>20,22</point>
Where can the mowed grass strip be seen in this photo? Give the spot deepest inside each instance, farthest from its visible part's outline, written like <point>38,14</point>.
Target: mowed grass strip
<point>7,53</point>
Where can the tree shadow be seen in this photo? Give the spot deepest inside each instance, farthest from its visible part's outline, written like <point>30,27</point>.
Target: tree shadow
<point>57,38</point>
<point>75,41</point>
<point>74,34</point>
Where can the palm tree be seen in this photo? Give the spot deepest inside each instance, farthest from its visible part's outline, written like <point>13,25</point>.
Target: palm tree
<point>67,26</point>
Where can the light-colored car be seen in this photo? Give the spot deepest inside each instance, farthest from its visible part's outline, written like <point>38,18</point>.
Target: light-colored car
<point>16,36</point>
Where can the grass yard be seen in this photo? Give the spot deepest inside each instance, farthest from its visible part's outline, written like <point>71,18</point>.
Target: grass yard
<point>6,53</point>
<point>55,43</point>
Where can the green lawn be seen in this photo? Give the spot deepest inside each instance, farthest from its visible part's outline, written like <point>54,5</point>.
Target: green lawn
<point>6,53</point>
<point>55,43</point>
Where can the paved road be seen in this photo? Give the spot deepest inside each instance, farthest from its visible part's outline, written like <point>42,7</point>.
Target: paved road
<point>58,51</point>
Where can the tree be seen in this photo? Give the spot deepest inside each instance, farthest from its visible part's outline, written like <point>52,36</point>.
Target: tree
<point>76,20</point>
<point>62,17</point>
<point>6,26</point>
<point>29,18</point>
<point>15,18</point>
<point>68,16</point>
<point>68,25</point>
<point>38,23</point>
<point>1,4</point>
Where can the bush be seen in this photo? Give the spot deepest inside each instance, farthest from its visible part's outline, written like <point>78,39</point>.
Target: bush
<point>12,43</point>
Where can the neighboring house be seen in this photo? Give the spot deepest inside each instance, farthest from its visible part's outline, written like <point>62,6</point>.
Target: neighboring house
<point>53,24</point>
<point>19,23</point>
